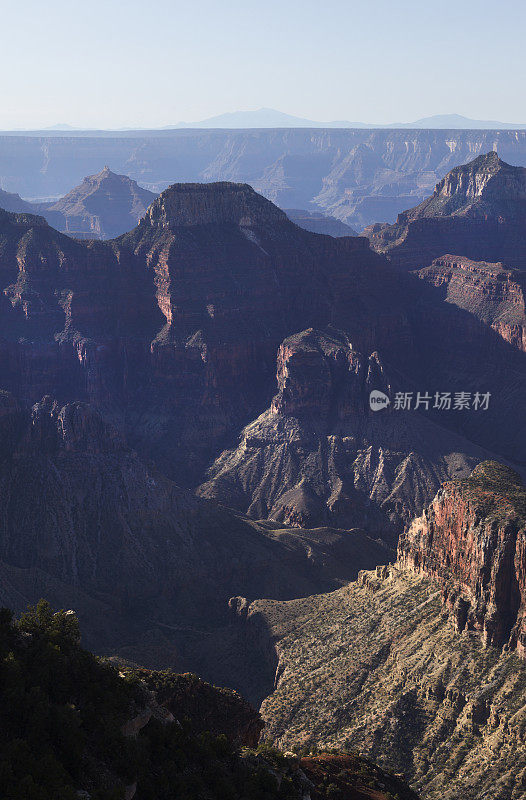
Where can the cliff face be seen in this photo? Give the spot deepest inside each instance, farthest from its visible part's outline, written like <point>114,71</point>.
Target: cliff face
<point>478,211</point>
<point>495,295</point>
<point>471,540</point>
<point>359,176</point>
<point>377,667</point>
<point>103,206</point>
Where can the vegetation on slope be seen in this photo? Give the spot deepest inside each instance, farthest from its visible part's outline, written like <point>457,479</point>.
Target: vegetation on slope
<point>74,726</point>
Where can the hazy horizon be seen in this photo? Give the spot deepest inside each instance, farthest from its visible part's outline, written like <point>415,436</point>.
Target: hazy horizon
<point>106,66</point>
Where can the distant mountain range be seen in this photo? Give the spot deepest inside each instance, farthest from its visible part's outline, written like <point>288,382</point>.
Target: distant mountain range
<point>270,118</point>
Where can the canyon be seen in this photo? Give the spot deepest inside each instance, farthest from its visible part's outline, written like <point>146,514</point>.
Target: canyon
<point>360,176</point>
<point>218,349</point>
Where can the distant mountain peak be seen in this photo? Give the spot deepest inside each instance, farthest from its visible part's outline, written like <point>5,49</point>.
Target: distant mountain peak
<point>104,205</point>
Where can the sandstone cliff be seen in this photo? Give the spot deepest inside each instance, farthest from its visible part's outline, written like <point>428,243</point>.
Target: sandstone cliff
<point>471,541</point>
<point>319,455</point>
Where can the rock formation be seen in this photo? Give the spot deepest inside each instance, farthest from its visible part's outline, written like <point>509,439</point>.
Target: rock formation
<point>182,316</point>
<point>172,330</point>
<point>105,205</point>
<point>359,176</point>
<point>13,202</point>
<point>471,541</point>
<point>478,211</point>
<point>320,455</point>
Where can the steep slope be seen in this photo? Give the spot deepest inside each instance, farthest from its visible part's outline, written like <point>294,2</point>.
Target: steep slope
<point>13,202</point>
<point>105,205</point>
<point>173,328</point>
<point>471,540</point>
<point>360,176</point>
<point>407,664</point>
<point>491,292</point>
<point>478,211</point>
<point>319,223</point>
<point>148,567</point>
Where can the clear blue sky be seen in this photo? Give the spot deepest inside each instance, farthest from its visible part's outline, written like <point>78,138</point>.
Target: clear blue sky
<point>103,63</point>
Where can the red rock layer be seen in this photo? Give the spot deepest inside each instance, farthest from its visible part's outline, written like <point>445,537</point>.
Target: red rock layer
<point>472,540</point>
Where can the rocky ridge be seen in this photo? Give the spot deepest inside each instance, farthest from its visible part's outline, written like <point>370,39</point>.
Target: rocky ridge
<point>477,211</point>
<point>115,539</point>
<point>319,223</point>
<point>319,455</point>
<point>76,726</point>
<point>358,176</point>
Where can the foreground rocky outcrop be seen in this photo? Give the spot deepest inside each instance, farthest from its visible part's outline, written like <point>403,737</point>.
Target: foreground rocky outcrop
<point>74,726</point>
<point>477,211</point>
<point>471,541</point>
<point>395,666</point>
<point>494,294</point>
<point>103,206</point>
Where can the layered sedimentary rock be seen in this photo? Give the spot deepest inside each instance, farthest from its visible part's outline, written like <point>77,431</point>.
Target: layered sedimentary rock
<point>172,331</point>
<point>103,206</point>
<point>175,326</point>
<point>320,455</point>
<point>378,668</point>
<point>491,292</point>
<point>478,211</point>
<point>471,541</point>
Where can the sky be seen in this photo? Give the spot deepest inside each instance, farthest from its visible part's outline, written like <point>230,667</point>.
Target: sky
<point>151,63</point>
